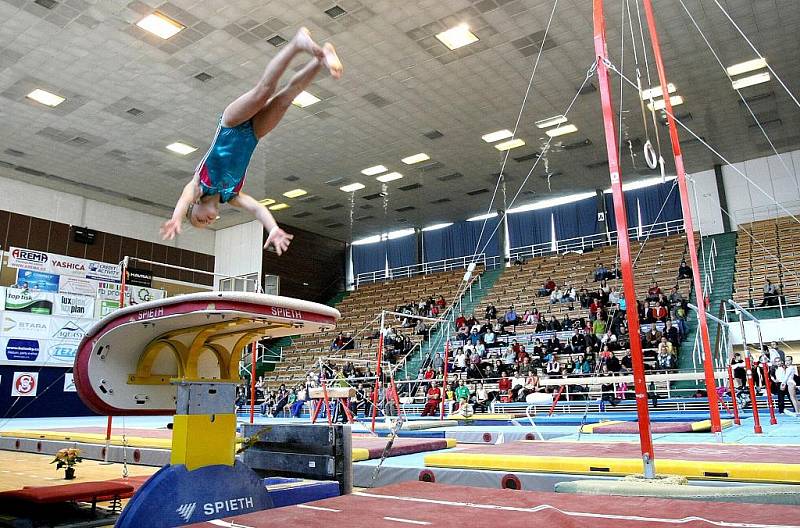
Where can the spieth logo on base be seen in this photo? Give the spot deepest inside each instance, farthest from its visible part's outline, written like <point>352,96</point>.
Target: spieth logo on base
<point>287,313</point>
<point>185,511</point>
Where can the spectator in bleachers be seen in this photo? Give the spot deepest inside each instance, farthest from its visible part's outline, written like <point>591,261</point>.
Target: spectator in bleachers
<point>600,272</point>
<point>490,338</point>
<point>671,333</point>
<point>658,312</point>
<point>583,298</point>
<point>675,297</point>
<point>665,360</point>
<point>491,312</point>
<point>338,343</point>
<point>434,399</point>
<point>518,350</point>
<point>582,365</point>
<point>654,292</point>
<point>511,318</point>
<point>460,321</point>
<point>421,328</point>
<point>609,339</point>
<point>775,353</point>
<point>641,311</point>
<point>441,303</point>
<point>566,323</point>
<point>672,349</point>
<point>480,348</point>
<point>738,366</point>
<point>553,325</point>
<point>608,392</point>
<point>569,295</point>
<point>438,361</point>
<point>680,313</point>
<point>556,295</point>
<point>481,398</point>
<point>599,325</point>
<point>594,308</point>
<point>684,271</point>
<point>547,287</point>
<point>504,385</point>
<point>460,360</point>
<point>429,373</point>
<point>652,338</point>
<point>613,297</point>
<point>553,368</point>
<point>472,322</point>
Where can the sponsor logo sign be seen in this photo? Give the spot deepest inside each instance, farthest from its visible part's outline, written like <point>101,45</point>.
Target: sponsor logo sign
<point>138,295</point>
<point>62,353</point>
<point>27,259</point>
<point>139,277</point>
<point>25,384</point>
<point>67,265</point>
<point>29,301</point>
<point>103,271</point>
<point>37,280</point>
<point>25,350</point>
<point>73,305</point>
<point>25,325</point>
<point>68,329</point>
<point>62,265</point>
<point>69,383</point>
<point>77,286</point>
<point>108,290</point>
<point>105,307</point>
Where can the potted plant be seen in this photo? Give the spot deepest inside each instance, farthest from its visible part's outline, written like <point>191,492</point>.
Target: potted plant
<point>67,458</point>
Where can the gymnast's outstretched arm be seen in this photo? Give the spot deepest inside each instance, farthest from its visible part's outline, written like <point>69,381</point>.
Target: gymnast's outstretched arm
<point>277,237</point>
<point>191,192</point>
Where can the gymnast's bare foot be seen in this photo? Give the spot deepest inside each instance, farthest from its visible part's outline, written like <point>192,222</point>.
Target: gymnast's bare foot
<point>332,61</point>
<point>304,41</point>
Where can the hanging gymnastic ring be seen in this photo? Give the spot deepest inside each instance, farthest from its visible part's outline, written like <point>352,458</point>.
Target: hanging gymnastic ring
<point>650,155</point>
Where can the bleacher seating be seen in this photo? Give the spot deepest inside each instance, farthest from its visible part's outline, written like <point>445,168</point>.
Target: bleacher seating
<point>771,251</point>
<point>359,310</point>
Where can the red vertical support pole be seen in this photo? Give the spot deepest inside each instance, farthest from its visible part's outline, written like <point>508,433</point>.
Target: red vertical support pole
<point>736,419</point>
<point>123,269</point>
<point>377,378</point>
<point>253,383</point>
<point>629,287</point>
<point>768,385</point>
<point>444,378</point>
<point>396,396</point>
<point>328,409</point>
<point>708,361</point>
<point>756,421</point>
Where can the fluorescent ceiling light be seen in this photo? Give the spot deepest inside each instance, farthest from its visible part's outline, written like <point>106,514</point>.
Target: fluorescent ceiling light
<point>416,158</point>
<point>751,80</point>
<point>399,233</point>
<point>46,98</point>
<point>482,217</point>
<point>181,148</point>
<point>510,144</point>
<point>551,202</point>
<point>278,207</point>
<point>372,171</point>
<point>389,177</point>
<point>457,37</point>
<point>661,104</point>
<point>497,136</point>
<point>305,99</point>
<point>657,92</point>
<point>551,121</point>
<point>368,240</point>
<point>352,187</point>
<point>641,184</point>
<point>295,193</point>
<point>560,131</point>
<point>747,66</point>
<point>434,227</point>
<point>266,201</point>
<point>160,25</point>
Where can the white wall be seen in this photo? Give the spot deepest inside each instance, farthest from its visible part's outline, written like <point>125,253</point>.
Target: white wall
<point>57,206</point>
<point>238,250</point>
<point>771,330</point>
<point>706,214</point>
<point>746,203</point>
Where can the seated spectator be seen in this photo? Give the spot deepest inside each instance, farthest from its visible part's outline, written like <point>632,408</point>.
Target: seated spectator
<point>434,399</point>
<point>610,339</point>
<point>491,312</point>
<point>490,339</point>
<point>511,318</point>
<point>509,356</point>
<point>553,325</point>
<point>441,303</point>
<point>582,365</point>
<point>627,361</point>
<point>594,307</point>
<point>599,327</point>
<point>569,294</point>
<point>349,342</point>
<point>527,317</point>
<point>555,296</point>
<point>675,297</point>
<point>654,292</point>
<point>659,312</point>
<point>671,333</point>
<point>547,287</point>
<point>553,368</point>
<point>600,272</point>
<point>519,351</point>
<point>613,297</point>
<point>481,398</point>
<point>577,341</point>
<point>664,359</point>
<point>504,385</point>
<point>461,321</point>
<point>460,360</point>
<point>583,297</point>
<point>652,338</point>
<point>338,343</point>
<point>525,365</point>
<point>684,271</point>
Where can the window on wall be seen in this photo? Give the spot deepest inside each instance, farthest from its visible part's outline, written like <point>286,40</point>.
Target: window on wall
<point>244,283</point>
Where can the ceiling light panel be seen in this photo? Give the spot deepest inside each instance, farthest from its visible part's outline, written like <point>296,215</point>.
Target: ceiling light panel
<point>278,207</point>
<point>661,104</point>
<point>389,177</point>
<point>305,99</point>
<point>46,98</point>
<point>751,80</point>
<point>747,66</point>
<point>457,37</point>
<point>160,25</point>
<point>434,227</point>
<point>181,148</point>
<point>497,136</point>
<point>551,121</point>
<point>510,144</point>
<point>481,217</point>
<point>266,201</point>
<point>372,171</point>
<point>353,187</point>
<point>657,92</point>
<point>561,131</point>
<point>416,158</point>
<point>295,193</point>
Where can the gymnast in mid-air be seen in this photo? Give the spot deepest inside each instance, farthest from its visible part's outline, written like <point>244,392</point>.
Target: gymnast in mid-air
<point>220,175</point>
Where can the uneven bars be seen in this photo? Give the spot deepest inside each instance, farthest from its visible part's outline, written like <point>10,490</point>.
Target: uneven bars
<point>182,268</point>
<point>713,318</point>
<point>741,309</point>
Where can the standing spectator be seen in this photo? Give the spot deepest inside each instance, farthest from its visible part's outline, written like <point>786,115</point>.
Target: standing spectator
<point>739,370</point>
<point>775,353</point>
<point>438,361</point>
<point>684,271</point>
<point>770,297</point>
<point>789,384</point>
<point>434,399</point>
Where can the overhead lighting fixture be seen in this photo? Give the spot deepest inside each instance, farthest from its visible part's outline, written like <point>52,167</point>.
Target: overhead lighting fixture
<point>353,187</point>
<point>434,227</point>
<point>266,201</point>
<point>751,80</point>
<point>457,37</point>
<point>657,92</point>
<point>551,121</point>
<point>295,193</point>
<point>510,144</point>
<point>747,66</point>
<point>160,25</point>
<point>305,99</point>
<point>482,217</point>
<point>368,240</point>
<point>561,131</point>
<point>181,148</point>
<point>278,207</point>
<point>372,171</point>
<point>497,136</point>
<point>399,233</point>
<point>46,98</point>
<point>386,178</point>
<point>661,104</point>
<point>416,158</point>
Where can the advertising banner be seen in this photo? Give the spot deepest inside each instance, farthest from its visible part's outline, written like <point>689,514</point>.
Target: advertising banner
<point>22,351</point>
<point>61,354</point>
<point>37,280</point>
<point>77,286</point>
<point>71,266</point>
<point>26,259</point>
<point>25,384</point>
<point>29,301</point>
<point>69,383</point>
<point>139,277</point>
<point>62,265</point>
<point>25,325</point>
<point>68,329</point>
<point>103,307</point>
<point>138,295</point>
<point>103,271</point>
<point>73,305</point>
<point>108,290</point>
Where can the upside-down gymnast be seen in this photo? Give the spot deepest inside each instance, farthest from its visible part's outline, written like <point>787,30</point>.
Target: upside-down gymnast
<point>220,175</point>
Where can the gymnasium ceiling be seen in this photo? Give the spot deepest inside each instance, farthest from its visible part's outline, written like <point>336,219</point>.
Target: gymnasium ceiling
<point>129,94</point>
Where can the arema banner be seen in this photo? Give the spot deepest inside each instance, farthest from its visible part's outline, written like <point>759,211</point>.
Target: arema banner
<point>41,261</point>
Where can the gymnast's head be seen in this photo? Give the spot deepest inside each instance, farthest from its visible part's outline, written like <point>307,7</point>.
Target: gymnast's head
<point>203,213</point>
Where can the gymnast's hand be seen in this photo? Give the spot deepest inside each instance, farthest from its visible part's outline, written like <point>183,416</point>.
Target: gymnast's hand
<point>279,239</point>
<point>170,228</point>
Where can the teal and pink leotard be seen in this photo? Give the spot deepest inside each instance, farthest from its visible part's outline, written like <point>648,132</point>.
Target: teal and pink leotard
<point>222,170</point>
